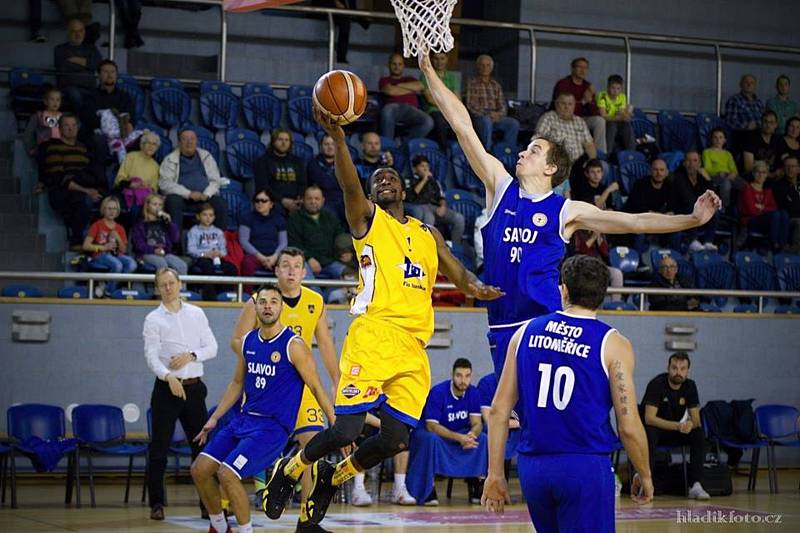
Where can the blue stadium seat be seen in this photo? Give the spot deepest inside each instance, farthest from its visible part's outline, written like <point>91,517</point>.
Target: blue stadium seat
<point>630,173</point>
<point>746,257</point>
<point>618,305</point>
<point>28,102</point>
<point>229,296</point>
<point>429,149</point>
<point>241,134</point>
<point>787,310</point>
<point>756,276</point>
<point>24,76</point>
<point>21,290</point>
<point>628,156</point>
<point>301,117</point>
<point>463,174</point>
<point>401,161</point>
<point>716,275</point>
<point>789,277</point>
<point>508,154</point>
<point>745,308</point>
<point>624,258</point>
<point>675,132</point>
<point>705,122</point>
<point>128,84</point>
<point>460,253</point>
<point>388,143</point>
<point>219,107</point>
<point>642,127</point>
<point>301,149</point>
<point>705,257</point>
<point>299,91</point>
<point>782,260</point>
<point>672,159</point>
<point>263,111</point>
<point>73,292</point>
<point>190,296</point>
<point>130,294</point>
<point>170,103</point>
<point>462,202</point>
<point>164,149</point>
<point>685,268</point>
<point>234,186</point>
<point>253,88</point>
<point>242,156</point>
<point>210,145</point>
<point>238,206</point>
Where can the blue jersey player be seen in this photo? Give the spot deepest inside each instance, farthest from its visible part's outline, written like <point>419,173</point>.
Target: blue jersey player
<point>272,367</point>
<point>566,371</point>
<point>529,225</point>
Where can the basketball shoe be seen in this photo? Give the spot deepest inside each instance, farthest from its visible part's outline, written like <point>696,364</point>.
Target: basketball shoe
<point>278,491</point>
<point>322,490</point>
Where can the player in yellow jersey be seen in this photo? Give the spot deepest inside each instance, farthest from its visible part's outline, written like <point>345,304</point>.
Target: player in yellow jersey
<point>304,312</point>
<point>383,361</point>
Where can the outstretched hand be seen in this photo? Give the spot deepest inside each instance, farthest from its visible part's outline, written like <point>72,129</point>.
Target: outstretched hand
<point>328,123</point>
<point>425,64</point>
<point>485,292</point>
<point>706,206</point>
<point>208,428</point>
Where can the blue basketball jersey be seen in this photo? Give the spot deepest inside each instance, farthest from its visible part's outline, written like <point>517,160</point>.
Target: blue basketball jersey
<point>272,386</point>
<point>563,386</point>
<point>523,246</point>
<point>449,410</point>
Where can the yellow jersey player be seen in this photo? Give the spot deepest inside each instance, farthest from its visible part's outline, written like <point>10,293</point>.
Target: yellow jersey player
<point>303,312</point>
<point>383,363</point>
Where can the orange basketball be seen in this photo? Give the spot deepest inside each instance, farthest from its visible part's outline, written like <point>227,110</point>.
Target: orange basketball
<point>342,95</point>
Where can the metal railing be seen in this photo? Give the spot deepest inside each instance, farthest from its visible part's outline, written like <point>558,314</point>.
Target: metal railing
<point>531,29</point>
<point>92,278</point>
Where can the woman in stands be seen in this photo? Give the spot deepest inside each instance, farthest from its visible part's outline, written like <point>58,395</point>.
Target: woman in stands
<point>262,234</point>
<point>759,212</point>
<point>107,242</point>
<point>789,144</point>
<point>138,175</point>
<point>155,236</point>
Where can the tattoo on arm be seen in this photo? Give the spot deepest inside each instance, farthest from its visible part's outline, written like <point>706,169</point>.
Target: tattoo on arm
<point>622,389</point>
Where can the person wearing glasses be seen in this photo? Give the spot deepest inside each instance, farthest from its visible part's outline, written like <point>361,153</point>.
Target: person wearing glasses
<point>667,278</point>
<point>262,234</point>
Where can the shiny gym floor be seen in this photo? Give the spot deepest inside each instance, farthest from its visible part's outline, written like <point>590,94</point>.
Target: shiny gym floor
<point>41,509</point>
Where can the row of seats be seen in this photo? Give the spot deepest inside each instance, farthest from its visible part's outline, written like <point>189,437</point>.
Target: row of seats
<point>81,292</point>
<point>676,132</point>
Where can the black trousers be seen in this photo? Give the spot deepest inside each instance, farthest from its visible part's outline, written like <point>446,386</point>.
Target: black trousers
<point>167,409</point>
<point>695,439</point>
<point>205,267</point>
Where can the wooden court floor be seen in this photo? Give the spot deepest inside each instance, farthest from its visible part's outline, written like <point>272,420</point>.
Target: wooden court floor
<point>41,509</point>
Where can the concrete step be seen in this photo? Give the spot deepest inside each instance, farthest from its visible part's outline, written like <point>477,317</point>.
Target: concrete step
<point>16,203</point>
<point>26,220</point>
<point>22,241</point>
<point>32,261</point>
<point>9,185</point>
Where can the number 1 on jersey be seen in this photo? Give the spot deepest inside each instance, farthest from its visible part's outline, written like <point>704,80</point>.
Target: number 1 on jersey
<point>560,401</point>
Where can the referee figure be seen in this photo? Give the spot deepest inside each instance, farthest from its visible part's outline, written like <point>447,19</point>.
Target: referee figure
<point>177,339</point>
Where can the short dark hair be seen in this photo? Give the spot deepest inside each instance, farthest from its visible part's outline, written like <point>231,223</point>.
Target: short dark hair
<point>107,62</point>
<point>67,115</point>
<point>419,159</point>
<point>717,129</point>
<point>593,163</point>
<point>790,156</point>
<point>615,78</point>
<point>692,151</point>
<point>292,251</point>
<point>563,93</point>
<point>380,170</point>
<point>313,186</point>
<point>679,356</point>
<point>576,60</point>
<point>267,287</point>
<point>264,190</point>
<point>462,362</point>
<point>782,77</point>
<point>205,206</point>
<point>789,120</point>
<point>557,155</point>
<point>768,112</point>
<point>586,279</point>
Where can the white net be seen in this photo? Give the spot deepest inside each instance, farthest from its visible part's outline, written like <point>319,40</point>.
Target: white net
<point>425,25</point>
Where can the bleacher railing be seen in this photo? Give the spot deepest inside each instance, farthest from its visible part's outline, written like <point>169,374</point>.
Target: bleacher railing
<point>240,281</point>
<point>532,29</point>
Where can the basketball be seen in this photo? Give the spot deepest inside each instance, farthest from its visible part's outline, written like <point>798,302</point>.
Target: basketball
<point>342,95</point>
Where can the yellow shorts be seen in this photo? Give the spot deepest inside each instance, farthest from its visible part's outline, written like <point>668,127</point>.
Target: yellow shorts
<point>380,364</point>
<point>310,416</point>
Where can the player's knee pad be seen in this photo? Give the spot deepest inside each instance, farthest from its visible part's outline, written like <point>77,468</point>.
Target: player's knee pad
<point>394,436</point>
<point>347,429</point>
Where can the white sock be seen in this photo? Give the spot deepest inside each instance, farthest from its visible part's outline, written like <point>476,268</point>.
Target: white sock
<point>218,522</point>
<point>246,528</point>
<point>399,481</point>
<point>358,481</point>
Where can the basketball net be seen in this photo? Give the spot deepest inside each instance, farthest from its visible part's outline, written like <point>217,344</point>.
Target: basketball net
<point>425,25</point>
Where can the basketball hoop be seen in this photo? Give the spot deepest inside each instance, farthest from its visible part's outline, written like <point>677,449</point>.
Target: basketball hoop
<point>425,25</point>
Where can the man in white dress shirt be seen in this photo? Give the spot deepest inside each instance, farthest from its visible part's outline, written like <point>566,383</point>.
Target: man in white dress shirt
<point>177,339</point>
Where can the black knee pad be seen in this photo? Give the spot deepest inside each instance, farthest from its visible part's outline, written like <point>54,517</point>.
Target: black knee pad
<point>394,435</point>
<point>347,429</point>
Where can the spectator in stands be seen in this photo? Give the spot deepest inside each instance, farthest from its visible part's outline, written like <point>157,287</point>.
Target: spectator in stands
<point>155,236</point>
<point>789,144</point>
<point>314,229</point>
<point>137,177</point>
<point>759,212</point>
<point>595,244</point>
<point>649,195</point>
<point>321,172</point>
<point>130,13</point>
<point>43,125</point>
<point>82,11</point>
<point>787,197</point>
<point>441,129</point>
<point>206,245</point>
<point>425,200</point>
<point>487,105</point>
<point>584,93</point>
<point>672,417</point>
<point>342,25</point>
<point>400,101</point>
<point>105,96</point>
<point>564,127</point>
<point>452,443</point>
<point>107,242</point>
<point>66,175</point>
<point>262,234</point>
<point>762,144</point>
<point>782,103</point>
<point>589,187</point>
<point>76,62</point>
<point>282,172</point>
<point>612,104</point>
<point>372,158</point>
<point>743,112</point>
<point>718,164</point>
<point>667,278</point>
<point>189,177</point>
<point>343,295</point>
<point>689,182</point>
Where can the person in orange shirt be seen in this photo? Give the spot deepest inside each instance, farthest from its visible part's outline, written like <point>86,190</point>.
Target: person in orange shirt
<point>107,242</point>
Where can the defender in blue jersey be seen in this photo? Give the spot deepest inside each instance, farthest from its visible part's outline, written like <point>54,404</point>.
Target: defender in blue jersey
<point>565,371</point>
<point>272,367</point>
<point>529,225</point>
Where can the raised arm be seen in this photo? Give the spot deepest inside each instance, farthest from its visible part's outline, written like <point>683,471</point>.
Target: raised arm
<point>466,281</point>
<point>303,361</point>
<point>582,215</point>
<point>488,168</point>
<point>357,208</point>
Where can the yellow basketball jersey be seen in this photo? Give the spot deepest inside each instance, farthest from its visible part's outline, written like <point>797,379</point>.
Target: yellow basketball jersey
<point>397,269</point>
<point>302,318</point>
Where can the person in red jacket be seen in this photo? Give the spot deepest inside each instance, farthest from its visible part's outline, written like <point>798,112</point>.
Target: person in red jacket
<point>759,212</point>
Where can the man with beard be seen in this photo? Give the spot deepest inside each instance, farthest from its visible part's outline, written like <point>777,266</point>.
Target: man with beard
<point>271,370</point>
<point>383,363</point>
<point>672,417</point>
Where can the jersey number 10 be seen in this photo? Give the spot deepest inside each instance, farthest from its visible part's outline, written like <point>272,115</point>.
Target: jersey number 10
<point>562,393</point>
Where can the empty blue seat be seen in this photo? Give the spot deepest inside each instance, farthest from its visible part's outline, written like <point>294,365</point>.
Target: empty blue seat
<point>462,202</point>
<point>242,156</point>
<point>229,296</point>
<point>24,76</point>
<point>624,258</point>
<point>705,257</point>
<point>631,172</point>
<point>21,290</point>
<point>237,206</point>
<point>210,145</point>
<point>508,154</point>
<point>301,116</point>
<point>463,174</point>
<point>299,91</point>
<point>74,292</point>
<point>262,111</point>
<point>628,156</point>
<point>781,260</point>
<point>190,296</point>
<point>241,134</point>
<point>130,294</point>
<point>219,107</point>
<point>789,277</point>
<point>643,127</point>
<point>301,149</point>
<point>27,101</point>
<point>254,88</point>
<point>128,84</point>
<point>618,305</point>
<point>716,275</point>
<point>169,101</point>
<point>745,308</point>
<point>675,132</point>
<point>387,143</point>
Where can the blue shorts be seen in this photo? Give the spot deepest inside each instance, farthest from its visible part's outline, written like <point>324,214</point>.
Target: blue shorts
<point>247,445</point>
<point>499,338</point>
<point>568,492</point>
